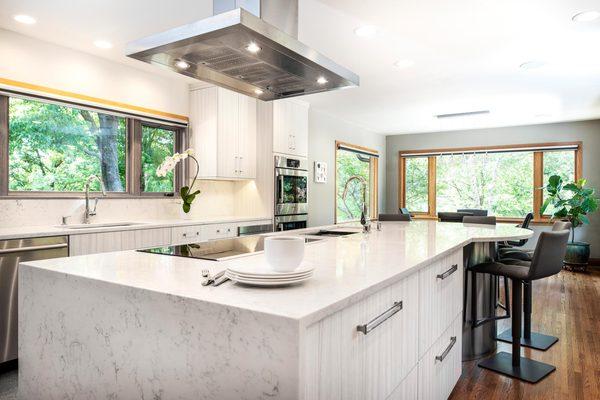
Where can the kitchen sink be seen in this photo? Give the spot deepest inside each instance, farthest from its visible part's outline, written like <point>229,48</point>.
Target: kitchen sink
<point>99,225</point>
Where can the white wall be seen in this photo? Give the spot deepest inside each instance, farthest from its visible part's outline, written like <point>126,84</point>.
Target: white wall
<point>586,131</point>
<point>34,61</point>
<point>324,130</point>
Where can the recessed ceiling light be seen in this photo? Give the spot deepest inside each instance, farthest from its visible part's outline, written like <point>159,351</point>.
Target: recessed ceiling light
<point>321,80</point>
<point>103,44</point>
<point>258,91</point>
<point>25,19</point>
<point>532,65</point>
<point>586,16</point>
<point>181,64</point>
<point>367,31</point>
<point>404,64</point>
<point>253,47</point>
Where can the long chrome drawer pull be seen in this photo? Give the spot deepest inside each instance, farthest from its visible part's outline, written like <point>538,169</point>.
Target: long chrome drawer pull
<point>33,248</point>
<point>375,322</point>
<point>446,274</point>
<point>445,353</point>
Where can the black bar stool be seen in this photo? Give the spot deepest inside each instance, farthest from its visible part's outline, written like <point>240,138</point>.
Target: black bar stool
<point>511,245</point>
<point>394,217</point>
<point>534,340</point>
<point>453,216</point>
<point>473,211</point>
<point>547,260</point>
<point>475,320</point>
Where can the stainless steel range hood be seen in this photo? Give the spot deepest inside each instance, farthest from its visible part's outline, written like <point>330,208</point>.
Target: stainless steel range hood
<point>240,51</point>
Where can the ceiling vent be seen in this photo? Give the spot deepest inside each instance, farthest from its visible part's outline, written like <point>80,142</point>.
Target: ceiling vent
<point>463,114</point>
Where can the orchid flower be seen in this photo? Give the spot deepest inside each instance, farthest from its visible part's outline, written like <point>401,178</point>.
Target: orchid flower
<point>169,164</point>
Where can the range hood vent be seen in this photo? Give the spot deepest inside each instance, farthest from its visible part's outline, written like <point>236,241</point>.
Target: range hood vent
<point>238,50</point>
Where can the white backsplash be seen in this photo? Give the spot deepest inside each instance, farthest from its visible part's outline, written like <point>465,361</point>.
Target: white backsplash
<point>218,198</point>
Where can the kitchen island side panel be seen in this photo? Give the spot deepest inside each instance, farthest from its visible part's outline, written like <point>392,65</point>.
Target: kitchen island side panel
<point>81,338</point>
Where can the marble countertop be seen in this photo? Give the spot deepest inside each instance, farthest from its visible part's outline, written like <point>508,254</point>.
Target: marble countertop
<point>346,268</point>
<point>56,230</point>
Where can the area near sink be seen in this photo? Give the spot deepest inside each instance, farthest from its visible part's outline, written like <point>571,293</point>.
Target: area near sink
<point>100,225</point>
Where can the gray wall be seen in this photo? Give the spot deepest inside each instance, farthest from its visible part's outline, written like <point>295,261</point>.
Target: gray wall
<point>586,131</point>
<point>324,130</point>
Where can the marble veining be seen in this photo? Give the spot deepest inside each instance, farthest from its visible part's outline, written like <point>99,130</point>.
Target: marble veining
<point>131,325</point>
<point>346,268</point>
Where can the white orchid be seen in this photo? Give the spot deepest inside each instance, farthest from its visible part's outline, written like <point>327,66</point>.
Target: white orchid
<point>169,164</point>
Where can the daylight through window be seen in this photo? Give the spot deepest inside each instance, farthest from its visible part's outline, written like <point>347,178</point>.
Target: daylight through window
<point>505,181</point>
<point>53,147</point>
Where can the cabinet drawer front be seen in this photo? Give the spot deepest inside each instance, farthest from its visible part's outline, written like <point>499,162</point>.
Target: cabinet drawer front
<point>342,362</point>
<point>407,390</point>
<point>218,231</point>
<point>440,291</point>
<point>440,367</point>
<point>187,234</point>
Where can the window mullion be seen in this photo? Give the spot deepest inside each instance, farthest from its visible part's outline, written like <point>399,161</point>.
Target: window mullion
<point>135,157</point>
<point>431,192</point>
<point>538,182</point>
<point>3,145</point>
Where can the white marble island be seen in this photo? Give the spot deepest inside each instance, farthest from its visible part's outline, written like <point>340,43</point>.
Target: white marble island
<point>134,325</point>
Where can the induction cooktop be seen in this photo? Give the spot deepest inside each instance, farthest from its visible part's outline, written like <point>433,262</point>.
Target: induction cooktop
<point>216,249</point>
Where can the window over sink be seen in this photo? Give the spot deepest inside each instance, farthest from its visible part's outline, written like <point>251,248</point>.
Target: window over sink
<point>50,148</point>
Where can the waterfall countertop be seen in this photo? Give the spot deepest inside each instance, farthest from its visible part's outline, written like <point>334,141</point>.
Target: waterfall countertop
<point>347,268</point>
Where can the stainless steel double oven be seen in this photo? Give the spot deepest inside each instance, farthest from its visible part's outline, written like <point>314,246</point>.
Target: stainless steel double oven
<point>291,193</point>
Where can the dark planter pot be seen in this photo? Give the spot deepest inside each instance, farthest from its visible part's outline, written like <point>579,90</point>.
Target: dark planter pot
<point>578,254</point>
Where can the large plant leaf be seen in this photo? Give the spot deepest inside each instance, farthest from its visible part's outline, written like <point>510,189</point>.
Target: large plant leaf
<point>572,187</point>
<point>555,181</point>
<point>545,205</point>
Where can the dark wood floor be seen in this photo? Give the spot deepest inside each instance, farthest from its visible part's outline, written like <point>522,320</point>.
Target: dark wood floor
<point>566,305</point>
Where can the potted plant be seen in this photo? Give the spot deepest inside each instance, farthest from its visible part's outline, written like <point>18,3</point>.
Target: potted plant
<point>572,202</point>
<point>168,165</point>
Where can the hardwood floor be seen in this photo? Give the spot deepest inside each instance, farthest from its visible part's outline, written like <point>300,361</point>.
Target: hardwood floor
<point>566,305</point>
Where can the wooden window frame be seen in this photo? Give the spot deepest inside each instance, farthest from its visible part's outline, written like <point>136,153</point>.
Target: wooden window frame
<point>133,167</point>
<point>374,171</point>
<point>538,174</point>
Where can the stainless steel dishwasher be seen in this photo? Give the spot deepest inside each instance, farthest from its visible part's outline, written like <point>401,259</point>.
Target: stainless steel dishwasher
<point>13,252</point>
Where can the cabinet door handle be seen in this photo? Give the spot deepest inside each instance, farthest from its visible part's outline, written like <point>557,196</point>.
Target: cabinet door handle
<point>446,274</point>
<point>375,322</point>
<point>185,235</point>
<point>445,353</point>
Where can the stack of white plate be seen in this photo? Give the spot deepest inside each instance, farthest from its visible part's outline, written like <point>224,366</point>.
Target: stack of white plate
<point>263,276</point>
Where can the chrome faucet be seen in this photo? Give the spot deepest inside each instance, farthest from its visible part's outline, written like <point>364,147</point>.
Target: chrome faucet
<point>364,221</point>
<point>90,213</point>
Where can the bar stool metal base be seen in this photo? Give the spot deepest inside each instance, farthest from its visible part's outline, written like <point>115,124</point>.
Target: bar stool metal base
<point>529,371</point>
<point>537,341</point>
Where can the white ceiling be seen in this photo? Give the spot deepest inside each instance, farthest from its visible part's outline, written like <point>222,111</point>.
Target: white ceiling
<point>466,54</point>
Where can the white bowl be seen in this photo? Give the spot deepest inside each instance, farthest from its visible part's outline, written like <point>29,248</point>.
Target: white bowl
<point>284,253</point>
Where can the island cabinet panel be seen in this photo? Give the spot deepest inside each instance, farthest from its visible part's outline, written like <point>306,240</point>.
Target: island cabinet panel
<point>440,292</point>
<point>104,242</point>
<point>407,390</point>
<point>343,363</point>
<point>187,234</point>
<point>218,231</point>
<point>440,368</point>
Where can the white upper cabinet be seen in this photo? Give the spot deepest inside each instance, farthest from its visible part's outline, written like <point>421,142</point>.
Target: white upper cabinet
<point>290,127</point>
<point>223,133</point>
